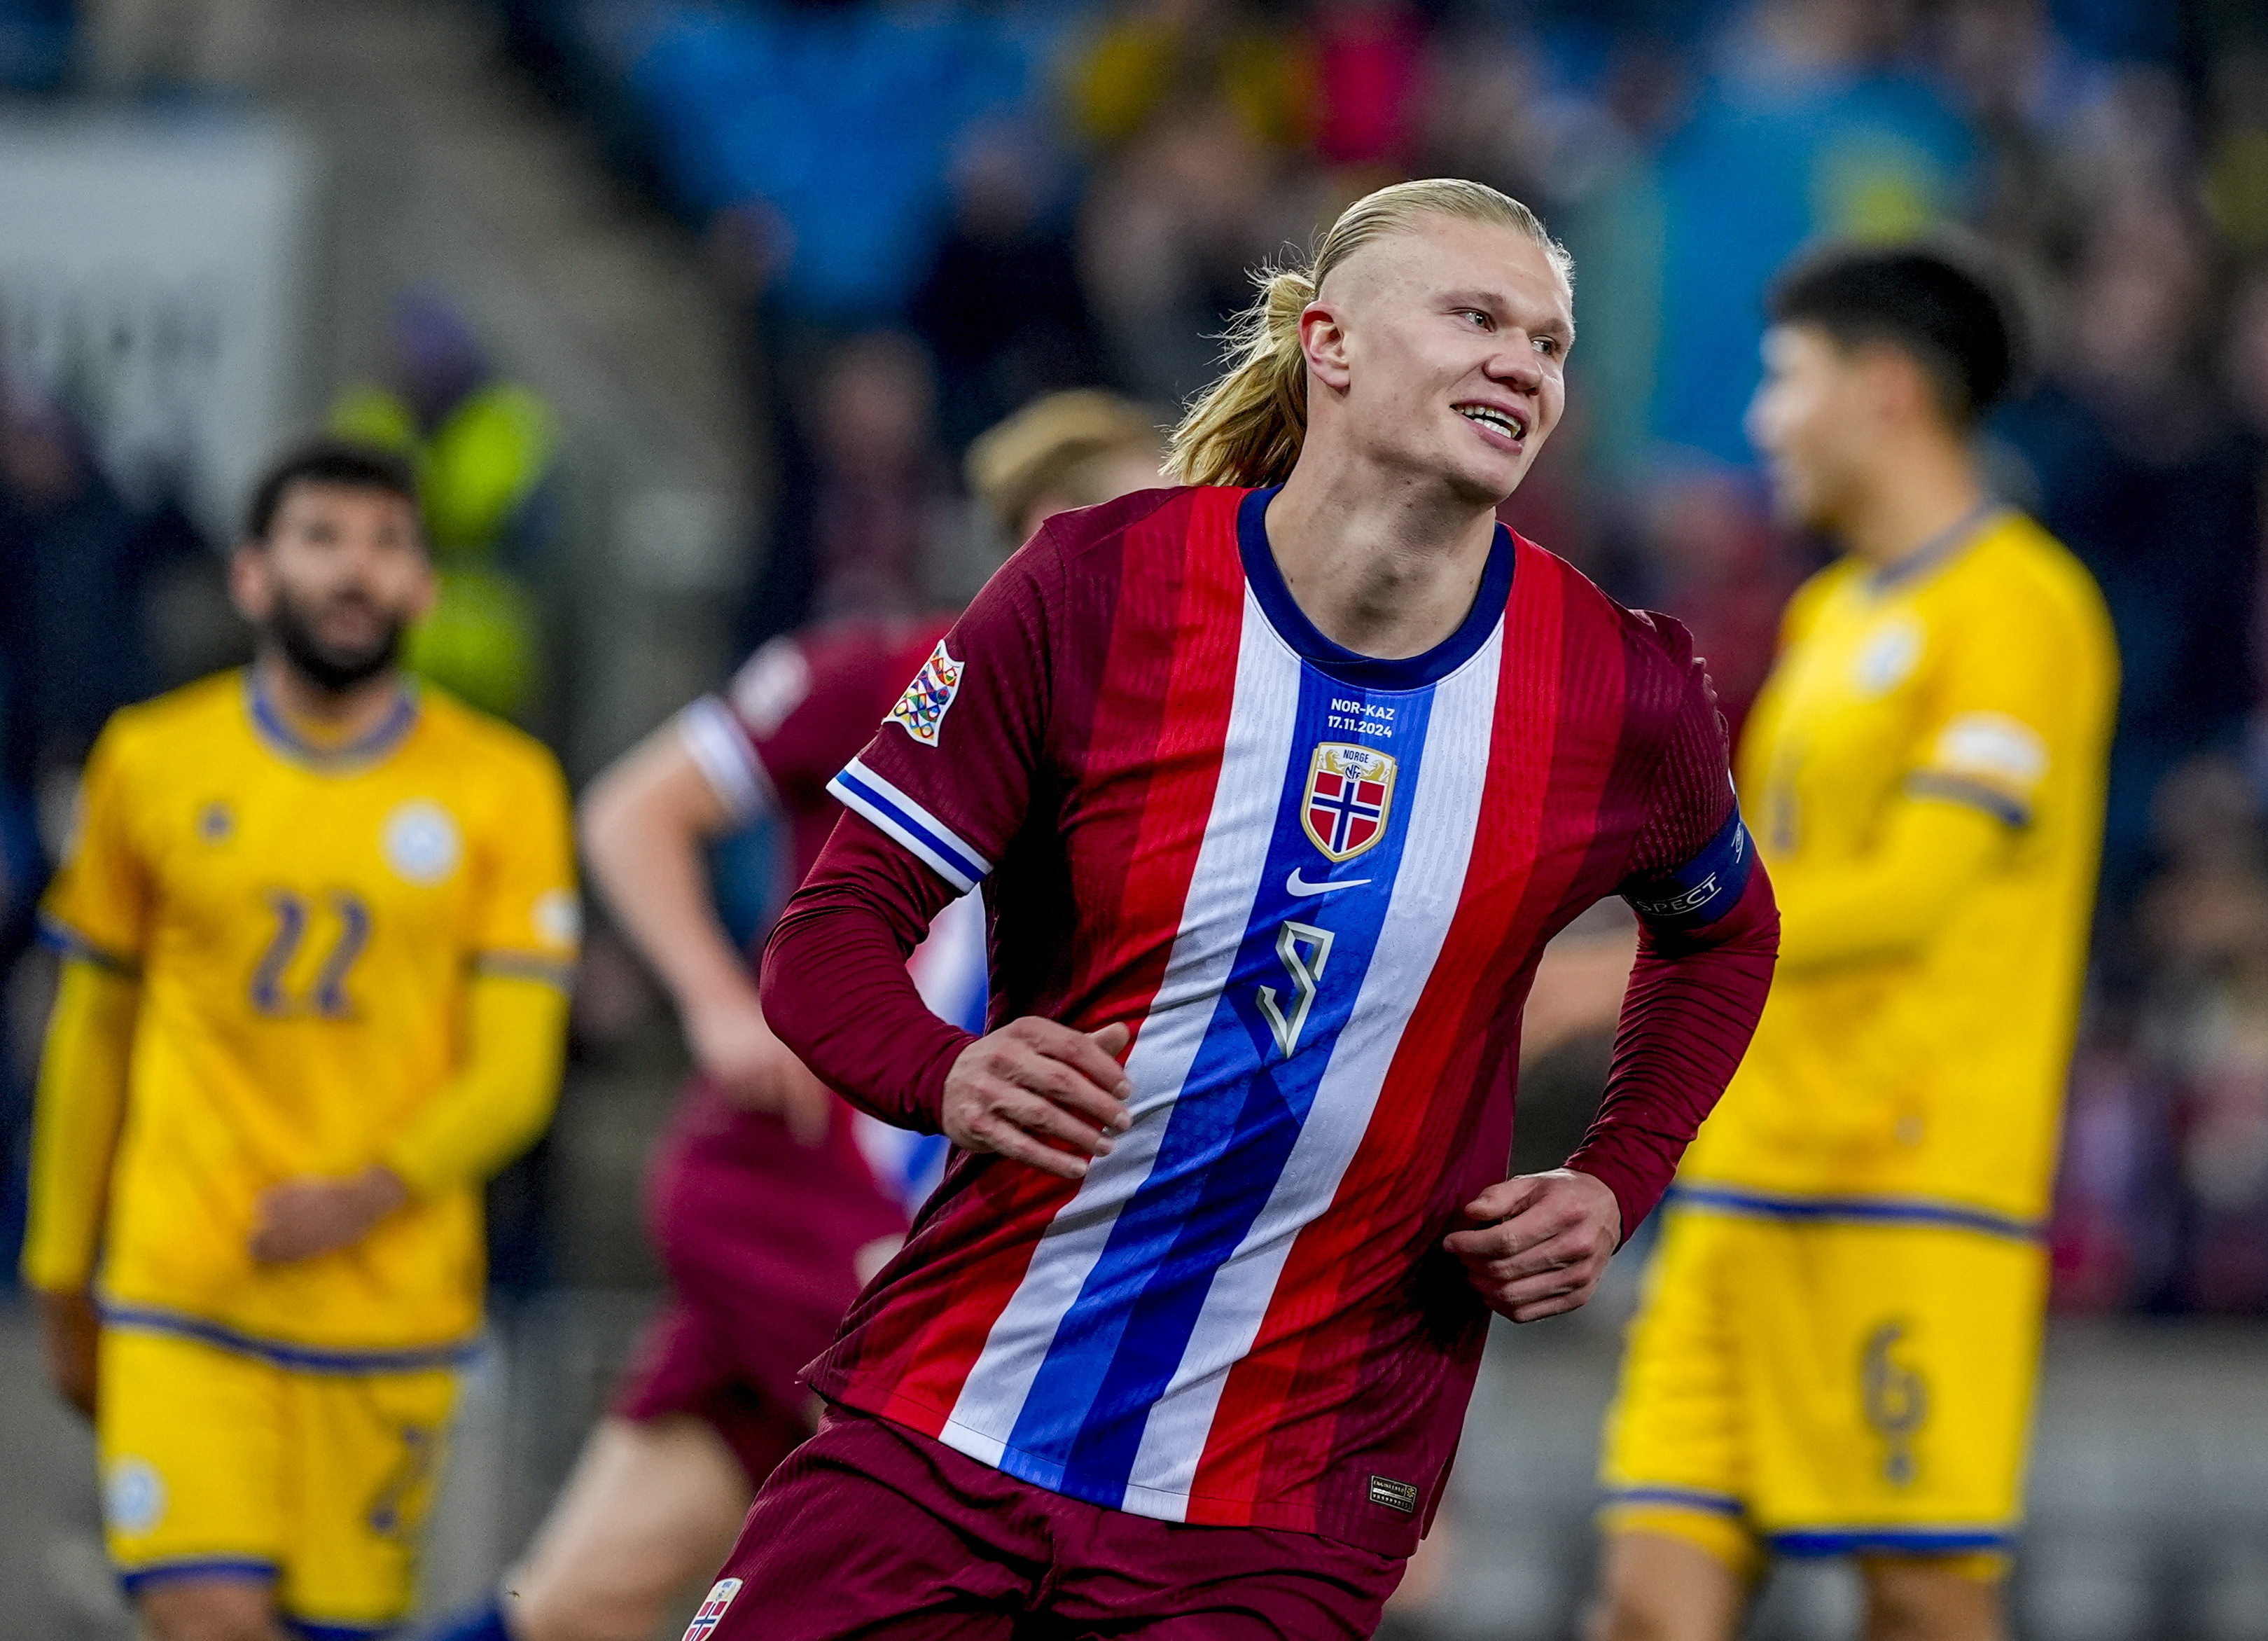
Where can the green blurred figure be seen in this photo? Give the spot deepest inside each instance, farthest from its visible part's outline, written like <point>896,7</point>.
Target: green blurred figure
<point>485,450</point>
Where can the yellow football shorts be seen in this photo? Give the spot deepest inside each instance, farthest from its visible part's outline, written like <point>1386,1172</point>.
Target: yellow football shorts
<point>218,1463</point>
<point>1809,1377</point>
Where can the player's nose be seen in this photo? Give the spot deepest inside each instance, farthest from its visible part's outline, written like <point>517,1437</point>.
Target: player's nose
<point>1517,363</point>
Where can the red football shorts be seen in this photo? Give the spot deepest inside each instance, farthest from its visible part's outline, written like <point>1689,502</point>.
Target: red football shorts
<point>762,1239</point>
<point>873,1531</point>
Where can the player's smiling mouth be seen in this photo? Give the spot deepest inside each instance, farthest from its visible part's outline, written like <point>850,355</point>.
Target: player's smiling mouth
<point>1508,424</point>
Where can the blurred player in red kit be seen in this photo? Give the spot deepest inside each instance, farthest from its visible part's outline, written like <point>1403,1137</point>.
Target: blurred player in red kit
<point>1277,786</point>
<point>770,1201</point>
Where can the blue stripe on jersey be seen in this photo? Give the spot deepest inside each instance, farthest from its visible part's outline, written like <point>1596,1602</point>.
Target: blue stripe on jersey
<point>1897,1540</point>
<point>1680,1497</point>
<point>1239,1112</point>
<point>1855,1210</point>
<point>860,789</point>
<point>302,1358</point>
<point>1702,889</point>
<point>1975,794</point>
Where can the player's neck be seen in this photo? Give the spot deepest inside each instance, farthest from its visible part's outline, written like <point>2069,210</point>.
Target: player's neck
<point>325,715</point>
<point>1385,570</point>
<point>1916,499</point>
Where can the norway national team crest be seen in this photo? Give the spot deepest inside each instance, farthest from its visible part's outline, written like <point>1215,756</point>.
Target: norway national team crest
<point>712,1609</point>
<point>921,710</point>
<point>1350,793</point>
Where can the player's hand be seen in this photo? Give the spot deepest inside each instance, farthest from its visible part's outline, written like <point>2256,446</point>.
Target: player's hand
<point>734,1043</point>
<point>301,1218</point>
<point>69,1327</point>
<point>1041,1093</point>
<point>1543,1242</point>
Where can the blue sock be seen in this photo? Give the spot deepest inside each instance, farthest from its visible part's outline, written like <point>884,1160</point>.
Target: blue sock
<point>484,1623</point>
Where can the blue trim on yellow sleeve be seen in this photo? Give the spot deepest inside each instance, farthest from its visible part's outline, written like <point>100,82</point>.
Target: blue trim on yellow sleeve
<point>1680,1498</point>
<point>525,965</point>
<point>174,1569</point>
<point>278,1352</point>
<point>1977,795</point>
<point>60,936</point>
<point>1854,1210</point>
<point>307,1630</point>
<point>1905,1540</point>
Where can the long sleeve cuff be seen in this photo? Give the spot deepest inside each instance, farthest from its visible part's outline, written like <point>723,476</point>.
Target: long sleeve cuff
<point>1694,999</point>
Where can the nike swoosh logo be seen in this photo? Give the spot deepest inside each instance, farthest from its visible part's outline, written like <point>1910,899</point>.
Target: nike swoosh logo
<point>1299,885</point>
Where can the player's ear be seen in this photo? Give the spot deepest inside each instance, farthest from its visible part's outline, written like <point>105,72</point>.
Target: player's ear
<point>251,580</point>
<point>427,591</point>
<point>1322,339</point>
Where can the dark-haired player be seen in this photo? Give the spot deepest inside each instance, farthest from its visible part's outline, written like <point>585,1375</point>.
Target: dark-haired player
<point>316,927</point>
<point>1277,786</point>
<point>1838,1343</point>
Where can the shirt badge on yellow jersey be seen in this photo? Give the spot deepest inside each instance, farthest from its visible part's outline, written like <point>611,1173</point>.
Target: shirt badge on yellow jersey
<point>215,823</point>
<point>1350,794</point>
<point>1887,656</point>
<point>921,710</point>
<point>421,842</point>
<point>558,917</point>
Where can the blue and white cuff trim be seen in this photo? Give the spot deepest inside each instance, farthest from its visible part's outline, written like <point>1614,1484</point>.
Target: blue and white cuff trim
<point>1854,1210</point>
<point>860,790</point>
<point>718,743</point>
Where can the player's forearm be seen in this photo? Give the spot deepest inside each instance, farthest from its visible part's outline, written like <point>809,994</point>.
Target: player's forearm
<point>835,983</point>
<point>500,1099</point>
<point>81,1103</point>
<point>1693,1003</point>
<point>646,852</point>
<point>1890,904</point>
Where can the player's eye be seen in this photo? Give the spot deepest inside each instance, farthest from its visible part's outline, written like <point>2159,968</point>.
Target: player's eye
<point>1479,316</point>
<point>1548,345</point>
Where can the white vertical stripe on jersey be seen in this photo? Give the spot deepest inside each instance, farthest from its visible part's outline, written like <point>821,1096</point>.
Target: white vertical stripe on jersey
<point>1214,913</point>
<point>1444,815</point>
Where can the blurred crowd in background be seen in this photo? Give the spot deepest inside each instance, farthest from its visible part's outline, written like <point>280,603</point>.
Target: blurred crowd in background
<point>929,212</point>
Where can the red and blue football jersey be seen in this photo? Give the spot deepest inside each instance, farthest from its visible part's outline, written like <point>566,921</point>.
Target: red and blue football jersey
<point>1317,885</point>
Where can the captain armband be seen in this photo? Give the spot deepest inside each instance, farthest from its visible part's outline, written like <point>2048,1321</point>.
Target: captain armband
<point>1704,889</point>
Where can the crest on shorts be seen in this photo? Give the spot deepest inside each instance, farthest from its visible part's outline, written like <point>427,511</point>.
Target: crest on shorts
<point>712,1609</point>
<point>1350,793</point>
<point>921,710</point>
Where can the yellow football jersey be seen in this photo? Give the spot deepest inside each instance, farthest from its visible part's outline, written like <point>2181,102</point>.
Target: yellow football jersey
<point>305,925</point>
<point>1983,674</point>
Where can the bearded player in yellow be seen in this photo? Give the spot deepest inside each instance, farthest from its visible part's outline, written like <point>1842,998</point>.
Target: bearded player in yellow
<point>1837,1345</point>
<point>318,926</point>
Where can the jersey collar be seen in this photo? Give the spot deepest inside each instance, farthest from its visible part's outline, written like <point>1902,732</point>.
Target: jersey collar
<point>1411,672</point>
<point>1939,548</point>
<point>269,723</point>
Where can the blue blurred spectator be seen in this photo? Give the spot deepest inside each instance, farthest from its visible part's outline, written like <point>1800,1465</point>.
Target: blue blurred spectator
<point>2141,472</point>
<point>857,531</point>
<point>1809,126</point>
<point>1001,306</point>
<point>838,119</point>
<point>35,44</point>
